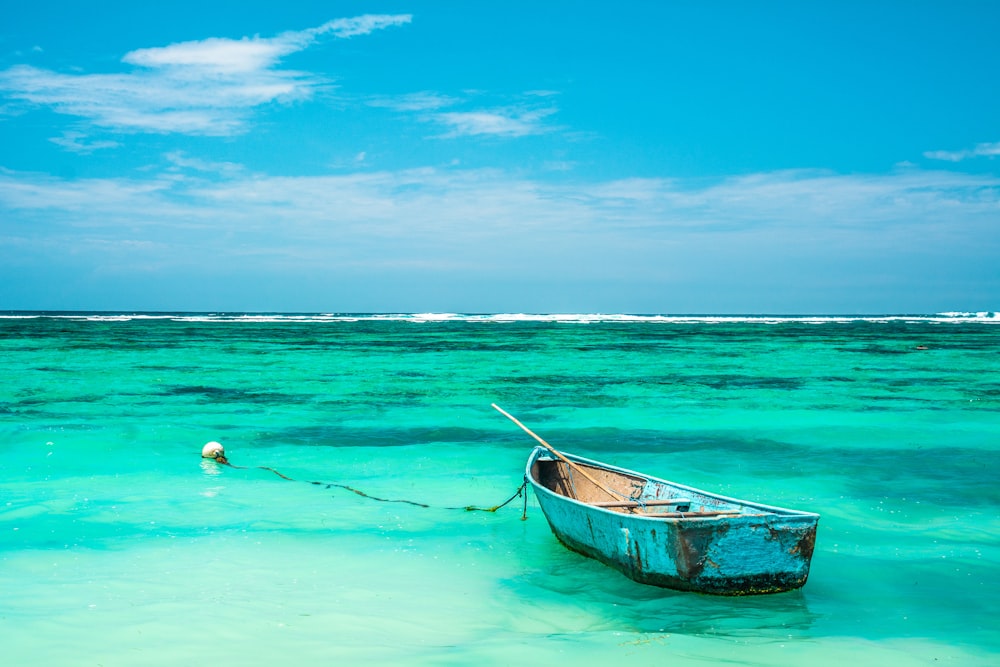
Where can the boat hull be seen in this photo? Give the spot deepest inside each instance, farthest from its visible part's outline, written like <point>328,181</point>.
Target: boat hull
<point>719,545</point>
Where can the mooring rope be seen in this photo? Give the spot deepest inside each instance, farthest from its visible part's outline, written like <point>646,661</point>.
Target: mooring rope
<point>519,492</point>
<point>329,485</point>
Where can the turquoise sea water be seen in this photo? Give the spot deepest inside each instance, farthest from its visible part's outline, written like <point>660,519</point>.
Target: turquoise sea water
<point>119,545</point>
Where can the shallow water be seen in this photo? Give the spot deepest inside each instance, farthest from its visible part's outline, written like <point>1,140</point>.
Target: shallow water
<point>120,546</point>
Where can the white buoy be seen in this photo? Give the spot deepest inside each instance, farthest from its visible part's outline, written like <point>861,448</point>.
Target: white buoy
<point>214,450</point>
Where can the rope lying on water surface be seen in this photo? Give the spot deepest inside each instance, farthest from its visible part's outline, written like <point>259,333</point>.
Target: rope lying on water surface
<point>215,452</point>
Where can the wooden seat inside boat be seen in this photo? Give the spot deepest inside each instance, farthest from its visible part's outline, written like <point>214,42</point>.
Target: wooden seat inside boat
<point>615,491</point>
<point>683,504</point>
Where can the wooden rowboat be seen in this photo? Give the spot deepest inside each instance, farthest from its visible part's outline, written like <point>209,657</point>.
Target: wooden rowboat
<point>665,534</point>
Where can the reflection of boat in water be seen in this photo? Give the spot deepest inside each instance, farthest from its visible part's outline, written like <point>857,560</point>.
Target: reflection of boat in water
<point>665,534</point>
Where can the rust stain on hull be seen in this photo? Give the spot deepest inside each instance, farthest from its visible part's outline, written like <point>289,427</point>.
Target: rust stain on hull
<point>691,546</point>
<point>806,544</point>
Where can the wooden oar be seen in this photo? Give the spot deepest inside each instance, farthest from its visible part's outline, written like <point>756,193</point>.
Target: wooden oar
<point>574,466</point>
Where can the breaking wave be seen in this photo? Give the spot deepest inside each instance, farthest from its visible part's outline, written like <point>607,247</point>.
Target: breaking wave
<point>987,317</point>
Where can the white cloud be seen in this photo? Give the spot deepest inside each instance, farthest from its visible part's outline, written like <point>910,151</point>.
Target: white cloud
<point>920,230</point>
<point>422,101</point>
<point>181,160</point>
<point>254,54</point>
<point>514,120</point>
<point>465,206</point>
<point>214,55</point>
<point>361,25</point>
<point>77,142</point>
<point>981,150</point>
<point>508,122</point>
<point>102,196</point>
<point>204,87</point>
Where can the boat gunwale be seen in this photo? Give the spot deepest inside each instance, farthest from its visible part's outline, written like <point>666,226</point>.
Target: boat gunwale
<point>541,453</point>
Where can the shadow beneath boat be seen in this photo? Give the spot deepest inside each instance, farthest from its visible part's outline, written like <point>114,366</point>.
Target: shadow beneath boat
<point>614,602</point>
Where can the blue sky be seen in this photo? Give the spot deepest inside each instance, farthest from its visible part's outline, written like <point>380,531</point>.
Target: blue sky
<point>642,157</point>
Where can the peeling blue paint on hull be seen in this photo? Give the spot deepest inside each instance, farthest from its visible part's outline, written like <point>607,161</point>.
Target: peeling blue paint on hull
<point>670,535</point>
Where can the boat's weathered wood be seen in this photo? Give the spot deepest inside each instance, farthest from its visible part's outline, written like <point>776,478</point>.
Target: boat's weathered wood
<point>587,483</point>
<point>730,547</point>
<point>643,503</point>
<point>693,515</point>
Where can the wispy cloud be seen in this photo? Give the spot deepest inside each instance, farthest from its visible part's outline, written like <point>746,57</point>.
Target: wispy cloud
<point>980,150</point>
<point>77,142</point>
<point>220,55</point>
<point>521,118</point>
<point>180,160</point>
<point>504,122</point>
<point>421,101</point>
<point>204,87</point>
<point>460,208</point>
<point>400,228</point>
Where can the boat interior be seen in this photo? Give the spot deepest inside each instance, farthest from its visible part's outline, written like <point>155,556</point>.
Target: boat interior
<point>621,492</point>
